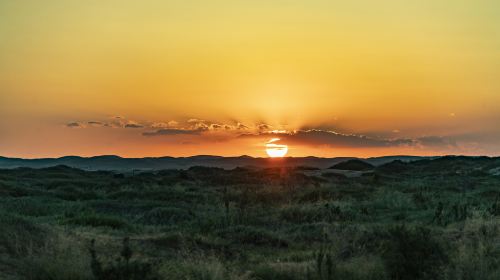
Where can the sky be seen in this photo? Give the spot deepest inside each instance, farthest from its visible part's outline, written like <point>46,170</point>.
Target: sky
<point>224,77</point>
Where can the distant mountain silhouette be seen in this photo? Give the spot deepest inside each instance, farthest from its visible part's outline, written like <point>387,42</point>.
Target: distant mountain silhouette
<point>116,163</point>
<point>386,159</point>
<point>459,165</point>
<point>353,165</point>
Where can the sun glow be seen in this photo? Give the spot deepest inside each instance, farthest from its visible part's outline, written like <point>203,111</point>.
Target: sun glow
<point>276,150</point>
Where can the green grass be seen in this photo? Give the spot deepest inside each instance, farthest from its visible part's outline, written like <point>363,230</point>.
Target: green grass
<point>423,220</point>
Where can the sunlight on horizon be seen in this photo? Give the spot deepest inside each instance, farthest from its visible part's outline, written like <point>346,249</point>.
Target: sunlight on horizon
<point>274,150</point>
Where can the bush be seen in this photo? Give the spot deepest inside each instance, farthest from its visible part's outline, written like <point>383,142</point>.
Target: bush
<point>252,236</point>
<point>61,258</point>
<point>283,272</point>
<point>308,213</point>
<point>95,220</point>
<point>393,200</point>
<point>310,232</point>
<point>123,268</point>
<point>31,206</point>
<point>413,254</point>
<point>13,190</point>
<point>165,216</point>
<point>479,257</point>
<point>361,268</point>
<point>325,265</point>
<point>73,193</point>
<point>196,269</point>
<point>18,235</point>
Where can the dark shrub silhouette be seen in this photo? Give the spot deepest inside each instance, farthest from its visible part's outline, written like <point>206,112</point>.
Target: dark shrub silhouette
<point>413,254</point>
<point>354,165</point>
<point>123,268</point>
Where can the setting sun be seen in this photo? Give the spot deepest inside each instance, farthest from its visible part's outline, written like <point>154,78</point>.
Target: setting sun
<point>275,150</point>
<point>169,139</point>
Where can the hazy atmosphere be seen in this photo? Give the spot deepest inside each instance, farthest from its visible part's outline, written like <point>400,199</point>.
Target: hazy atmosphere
<point>249,140</point>
<point>180,78</point>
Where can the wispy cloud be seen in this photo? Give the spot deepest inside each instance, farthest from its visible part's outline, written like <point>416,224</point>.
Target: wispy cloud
<point>171,131</point>
<point>436,141</point>
<point>74,125</point>
<point>169,124</point>
<point>133,125</point>
<point>317,137</point>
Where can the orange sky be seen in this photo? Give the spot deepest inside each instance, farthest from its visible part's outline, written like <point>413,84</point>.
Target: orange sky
<point>153,78</point>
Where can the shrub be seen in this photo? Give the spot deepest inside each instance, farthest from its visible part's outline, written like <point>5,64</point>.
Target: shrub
<point>325,265</point>
<point>413,254</point>
<point>60,258</point>
<point>310,232</point>
<point>96,220</point>
<point>475,262</point>
<point>31,206</point>
<point>353,164</point>
<point>13,190</point>
<point>361,268</point>
<point>252,236</point>
<point>269,272</point>
<point>393,200</point>
<point>73,193</point>
<point>307,213</point>
<point>165,216</point>
<point>18,235</point>
<point>198,268</point>
<point>123,268</point>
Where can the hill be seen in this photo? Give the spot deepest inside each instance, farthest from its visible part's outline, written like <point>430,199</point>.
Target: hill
<point>271,223</point>
<point>116,163</point>
<point>353,165</point>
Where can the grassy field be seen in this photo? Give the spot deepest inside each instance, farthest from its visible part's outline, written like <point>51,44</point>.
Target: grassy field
<point>430,219</point>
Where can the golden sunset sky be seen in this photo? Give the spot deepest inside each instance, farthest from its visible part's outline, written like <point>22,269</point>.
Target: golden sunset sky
<point>185,77</point>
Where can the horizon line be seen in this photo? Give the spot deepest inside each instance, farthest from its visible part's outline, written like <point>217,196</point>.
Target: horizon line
<point>240,156</point>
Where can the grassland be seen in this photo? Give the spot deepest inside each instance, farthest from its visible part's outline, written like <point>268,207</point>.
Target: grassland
<point>430,219</point>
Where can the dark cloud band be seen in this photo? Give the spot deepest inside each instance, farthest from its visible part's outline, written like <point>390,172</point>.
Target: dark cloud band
<point>170,132</point>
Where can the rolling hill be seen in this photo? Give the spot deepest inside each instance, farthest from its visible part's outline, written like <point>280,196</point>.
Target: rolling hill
<point>111,162</point>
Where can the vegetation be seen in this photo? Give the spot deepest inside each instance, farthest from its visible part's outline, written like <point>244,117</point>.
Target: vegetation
<point>429,219</point>
<point>354,165</point>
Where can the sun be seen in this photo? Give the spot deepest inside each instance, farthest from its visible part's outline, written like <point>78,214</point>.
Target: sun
<point>276,150</point>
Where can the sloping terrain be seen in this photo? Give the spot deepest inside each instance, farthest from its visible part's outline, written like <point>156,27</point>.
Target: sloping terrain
<point>116,163</point>
<point>353,165</point>
<point>442,215</point>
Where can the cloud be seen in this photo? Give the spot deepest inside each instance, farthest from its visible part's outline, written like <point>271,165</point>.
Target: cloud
<point>97,124</point>
<point>436,141</point>
<point>74,125</point>
<point>198,124</point>
<point>133,125</point>
<point>190,126</point>
<point>165,124</point>
<point>196,121</point>
<point>241,126</point>
<point>317,137</point>
<point>173,123</point>
<point>311,136</point>
<point>172,131</point>
<point>216,126</point>
<point>111,122</point>
<point>264,127</point>
<point>335,139</point>
<point>159,125</point>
